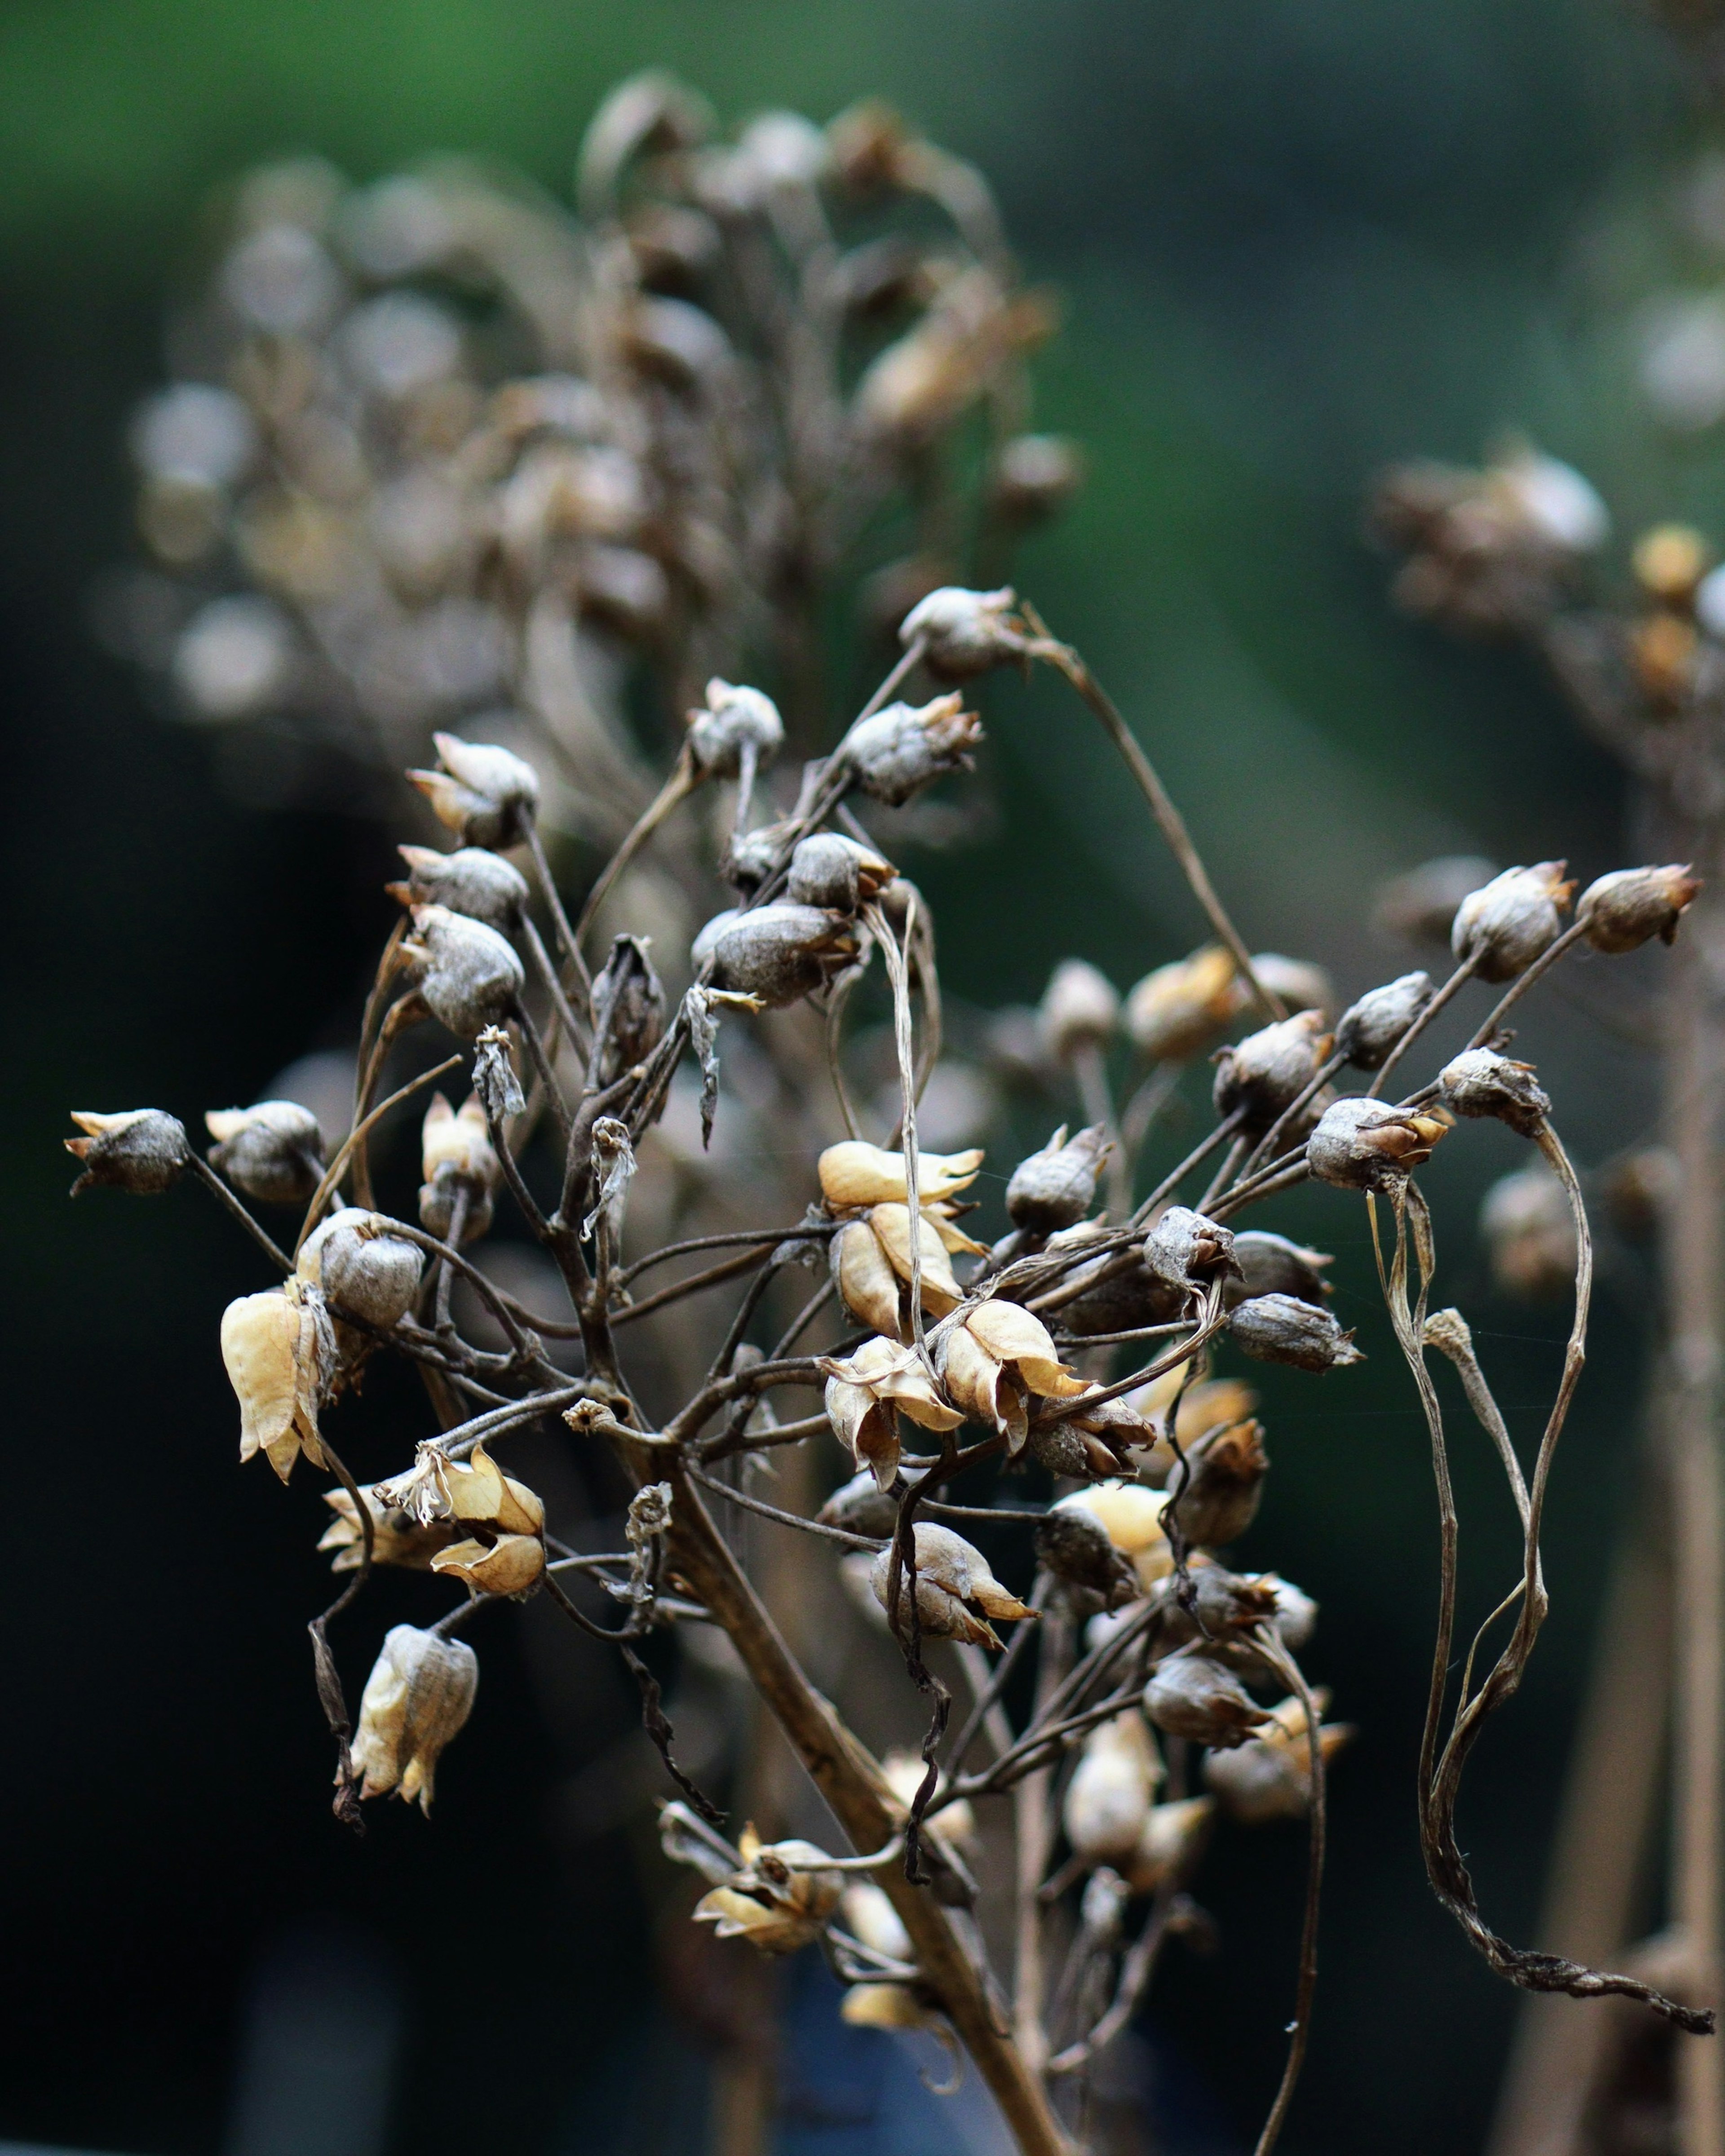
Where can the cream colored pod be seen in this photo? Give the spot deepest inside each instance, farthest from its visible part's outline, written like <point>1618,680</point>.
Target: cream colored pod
<point>1131,1517</point>
<point>996,1361</point>
<point>456,1155</point>
<point>955,1592</point>
<point>852,1174</point>
<point>865,1394</point>
<point>418,1697</point>
<point>1108,1799</point>
<point>363,1269</point>
<point>1171,1843</point>
<point>781,1899</point>
<point>279,1348</point>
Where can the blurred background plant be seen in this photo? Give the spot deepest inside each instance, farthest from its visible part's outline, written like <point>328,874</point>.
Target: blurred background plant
<point>1290,249</point>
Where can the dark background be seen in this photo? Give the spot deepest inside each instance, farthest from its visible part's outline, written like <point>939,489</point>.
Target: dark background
<point>1296,239</point>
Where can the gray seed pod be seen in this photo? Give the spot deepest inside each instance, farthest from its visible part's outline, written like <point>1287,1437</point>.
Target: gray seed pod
<point>898,751</point>
<point>1369,1030</point>
<point>1120,1302</point>
<point>778,952</point>
<point>360,1267</point>
<point>1055,1188</point>
<point>1064,1450</point>
<point>481,884</point>
<point>437,1206</point>
<point>1220,1501</point>
<point>1481,1082</point>
<point>1370,1145</point>
<point>733,722</point>
<point>273,1152</point>
<point>831,870</point>
<point>1628,908</point>
<point>1074,1546</point>
<point>1264,1074</point>
<point>1186,1251</point>
<point>752,856</point>
<point>486,795</point>
<point>1281,1328</point>
<point>469,975</point>
<point>1224,1602</point>
<point>963,633</point>
<point>861,1507</point>
<point>1510,921</point>
<point>1271,1265</point>
<point>1079,1009</point>
<point>141,1150</point>
<point>1191,1697</point>
<point>628,1007</point>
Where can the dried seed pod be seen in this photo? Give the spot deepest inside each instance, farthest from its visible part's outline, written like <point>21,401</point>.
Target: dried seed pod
<point>864,1275</point>
<point>1172,1841</point>
<point>1271,1265</point>
<point>471,881</point>
<point>1114,1293</point>
<point>1108,1803</point>
<point>1639,1188</point>
<point>892,2006</point>
<point>363,1270</point>
<point>456,1155</point>
<point>1270,1777</point>
<point>936,1236</point>
<point>397,1537</point>
<point>473,1492</point>
<point>734,722</point>
<point>1509,921</point>
<point>963,633</point>
<point>780,952</point>
<point>1055,1188</point>
<point>899,751</point>
<point>868,1391</point>
<point>750,857</point>
<point>1079,1010</point>
<point>1130,1515</point>
<point>1066,1449</point>
<point>992,1362</point>
<point>1368,1030</point>
<point>1220,1501</point>
<point>955,1592</point>
<point>781,1899</point>
<point>1113,1430</point>
<point>140,1150</point>
<point>1628,908</point>
<point>1481,1082</point>
<point>1035,476</point>
<point>861,1507</point>
<point>1074,1546</point>
<point>279,1348</point>
<point>869,1916</point>
<point>1264,1074</point>
<point>486,795</point>
<point>628,1007</point>
<point>1225,1604</point>
<point>273,1152</point>
<point>830,869</point>
<point>468,974</point>
<point>1173,1014</point>
<point>505,1564</point>
<point>1281,1328</point>
<point>417,1699</point>
<point>956,1826</point>
<point>1370,1145</point>
<point>1529,1233</point>
<point>1296,1612</point>
<point>1301,985</point>
<point>1421,905</point>
<point>852,1174</point>
<point>1192,1696</point>
<point>1187,1252</point>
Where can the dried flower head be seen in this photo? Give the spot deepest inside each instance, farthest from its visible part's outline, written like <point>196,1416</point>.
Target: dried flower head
<point>397,1537</point>
<point>899,751</point>
<point>829,868</point>
<point>955,1592</point>
<point>1628,908</point>
<point>866,1392</point>
<point>1174,1012</point>
<point>1221,1499</point>
<point>471,881</point>
<point>417,1699</point>
<point>853,1174</point>
<point>995,1360</point>
<point>1187,1252</point>
<point>1370,1145</point>
<point>1130,1515</point>
<point>456,1157</point>
<point>141,1150</point>
<point>733,726</point>
<point>280,1352</point>
<point>1481,1082</point>
<point>779,1901</point>
<point>962,633</point>
<point>1074,1546</point>
<point>1369,1030</point>
<point>1079,1010</point>
<point>1191,1695</point>
<point>870,1262</point>
<point>1508,922</point>
<point>1271,1264</point>
<point>1281,1328</point>
<point>468,974</point>
<point>1261,1076</point>
<point>780,953</point>
<point>1055,1188</point>
<point>1108,1799</point>
<point>362,1270</point>
<point>486,795</point>
<point>273,1152</point>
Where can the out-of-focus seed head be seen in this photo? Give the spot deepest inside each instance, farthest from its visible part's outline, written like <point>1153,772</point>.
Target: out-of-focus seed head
<point>870,143</point>
<point>471,881</point>
<point>1035,477</point>
<point>141,1150</point>
<point>963,633</point>
<point>1271,1265</point>
<point>1107,1800</point>
<point>1669,562</point>
<point>955,1592</point>
<point>1220,1501</point>
<point>752,856</point>
<point>1639,1187</point>
<point>1529,1235</point>
<point>1074,1546</point>
<point>360,1267</point>
<point>831,870</point>
<point>456,1155</point>
<point>1172,1841</point>
<point>734,722</point>
<point>486,795</point>
<point>417,1699</point>
<point>1372,1145</point>
<point>1628,908</point>
<point>861,1507</point>
<point>1220,1606</point>
<point>1551,500</point>
<point>1264,1074</point>
<point>273,1152</point>
<point>1131,1516</point>
<point>1079,1010</point>
<point>1175,1012</point>
<point>780,952</point>
<point>898,751</point>
<point>628,1007</point>
<point>1186,1251</point>
<point>1191,1697</point>
<point>468,974</point>
<point>1301,985</point>
<point>1369,1030</point>
<point>1055,1188</point>
<point>1481,1082</point>
<point>1508,922</point>
<point>1270,1778</point>
<point>1281,1328</point>
<point>1421,905</point>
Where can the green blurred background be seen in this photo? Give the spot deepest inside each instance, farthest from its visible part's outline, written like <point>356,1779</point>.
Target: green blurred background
<point>1296,238</point>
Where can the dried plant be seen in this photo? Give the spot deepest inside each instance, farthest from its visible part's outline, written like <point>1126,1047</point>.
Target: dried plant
<point>1143,1687</point>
